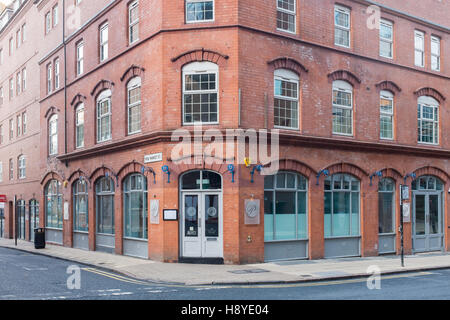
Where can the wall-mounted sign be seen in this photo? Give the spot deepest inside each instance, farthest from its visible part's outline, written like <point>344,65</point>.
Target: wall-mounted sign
<point>154,211</point>
<point>406,212</point>
<point>66,210</point>
<point>155,157</point>
<point>170,215</point>
<point>252,208</point>
<point>3,198</point>
<point>2,205</point>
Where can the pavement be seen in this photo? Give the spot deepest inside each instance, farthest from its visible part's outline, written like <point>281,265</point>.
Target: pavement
<point>263,273</point>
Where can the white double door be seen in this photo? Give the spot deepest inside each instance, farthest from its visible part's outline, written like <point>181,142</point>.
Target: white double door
<point>202,225</point>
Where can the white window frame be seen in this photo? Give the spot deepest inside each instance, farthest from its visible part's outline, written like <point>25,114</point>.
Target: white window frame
<point>57,71</point>
<point>24,79</point>
<point>48,22</point>
<point>343,86</point>
<point>24,123</point>
<point>53,147</point>
<point>421,35</point>
<point>49,78</point>
<point>387,40</point>
<point>292,77</point>
<point>346,11</point>
<point>200,68</point>
<point>199,21</point>
<point>22,167</point>
<point>134,83</point>
<point>105,96</point>
<point>436,55</point>
<point>80,58</point>
<point>1,171</point>
<point>294,13</point>
<point>79,126</point>
<point>19,125</point>
<point>132,24</point>
<point>104,48</point>
<point>387,96</point>
<point>55,16</point>
<point>425,101</point>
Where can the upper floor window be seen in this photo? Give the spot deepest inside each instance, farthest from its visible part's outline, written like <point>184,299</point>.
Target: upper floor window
<point>55,15</point>
<point>1,95</point>
<point>19,125</point>
<point>386,115</point>
<point>1,134</point>
<point>134,105</point>
<point>104,42</point>
<point>11,169</point>
<point>428,120</point>
<point>286,11</point>
<point>199,10</point>
<point>57,71</point>
<point>18,82</point>
<point>49,78</point>
<point>200,93</point>
<point>419,48</point>
<point>24,123</point>
<point>53,135</point>
<point>48,22</point>
<point>342,108</point>
<point>80,58</point>
<point>18,38</point>
<point>342,26</point>
<point>286,99</point>
<point>79,126</point>
<point>24,79</point>
<point>11,88</point>
<point>133,21</point>
<point>21,167</point>
<point>435,53</point>
<point>1,56</point>
<point>386,39</point>
<point>104,116</point>
<point>24,34</point>
<point>11,129</point>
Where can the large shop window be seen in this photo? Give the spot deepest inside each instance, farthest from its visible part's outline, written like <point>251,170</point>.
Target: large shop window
<point>53,205</point>
<point>386,206</point>
<point>428,120</point>
<point>80,206</point>
<point>286,99</point>
<point>200,93</point>
<point>342,208</point>
<point>104,189</point>
<point>135,207</point>
<point>285,207</point>
<point>342,108</point>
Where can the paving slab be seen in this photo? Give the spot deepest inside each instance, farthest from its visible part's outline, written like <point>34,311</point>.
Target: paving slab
<point>252,274</point>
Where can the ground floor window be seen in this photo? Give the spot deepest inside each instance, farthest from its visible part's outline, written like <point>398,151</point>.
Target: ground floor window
<point>386,192</point>
<point>342,208</point>
<point>80,206</point>
<point>285,207</point>
<point>104,189</point>
<point>135,207</point>
<point>20,211</point>
<point>53,205</point>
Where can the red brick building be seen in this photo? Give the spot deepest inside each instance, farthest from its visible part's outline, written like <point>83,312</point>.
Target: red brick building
<point>359,102</point>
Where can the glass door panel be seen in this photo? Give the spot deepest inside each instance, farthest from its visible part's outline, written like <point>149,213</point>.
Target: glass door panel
<point>433,219</point>
<point>191,224</point>
<point>211,215</point>
<point>420,214</point>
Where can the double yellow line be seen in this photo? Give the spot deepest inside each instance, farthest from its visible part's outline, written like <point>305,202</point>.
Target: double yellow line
<point>115,276</point>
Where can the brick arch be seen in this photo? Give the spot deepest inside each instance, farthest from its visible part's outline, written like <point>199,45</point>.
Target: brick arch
<point>101,172</point>
<point>433,171</point>
<point>349,168</point>
<point>133,167</point>
<point>427,91</point>
<point>389,86</point>
<point>77,175</point>
<point>131,72</point>
<point>102,85</point>
<point>79,98</point>
<point>178,170</point>
<point>51,111</point>
<point>51,175</point>
<point>391,173</point>
<point>198,55</point>
<point>288,63</point>
<point>346,76</point>
<point>295,166</point>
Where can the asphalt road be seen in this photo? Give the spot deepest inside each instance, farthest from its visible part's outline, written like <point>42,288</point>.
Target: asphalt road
<point>25,276</point>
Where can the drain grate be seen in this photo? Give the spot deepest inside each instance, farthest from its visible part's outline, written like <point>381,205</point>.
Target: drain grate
<point>249,271</point>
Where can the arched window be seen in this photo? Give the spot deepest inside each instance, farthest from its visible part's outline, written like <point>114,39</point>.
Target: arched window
<point>427,183</point>
<point>53,135</point>
<point>286,85</point>
<point>342,108</point>
<point>53,205</point>
<point>104,116</point>
<point>80,206</point>
<point>428,120</point>
<point>79,126</point>
<point>135,207</point>
<point>104,189</point>
<point>386,206</point>
<point>134,105</point>
<point>342,207</point>
<point>386,115</point>
<point>201,180</point>
<point>21,164</point>
<point>285,207</point>
<point>200,93</point>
